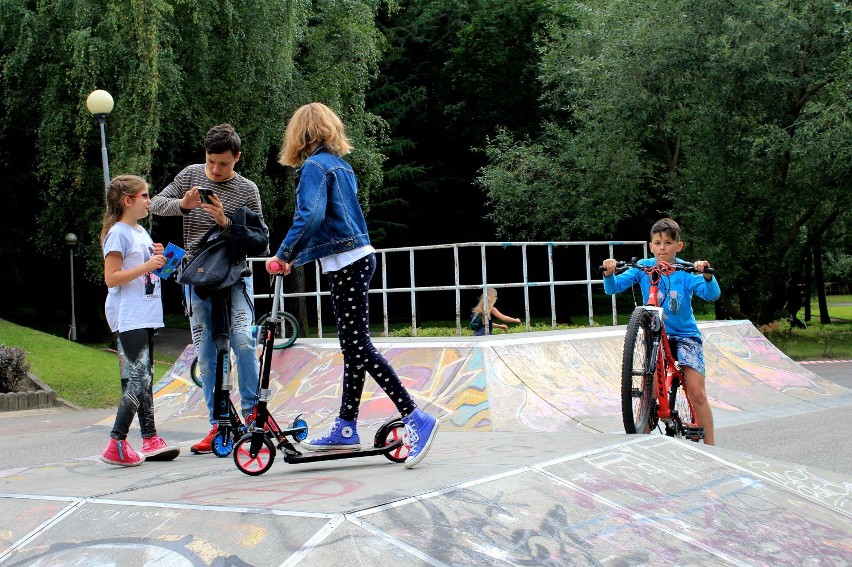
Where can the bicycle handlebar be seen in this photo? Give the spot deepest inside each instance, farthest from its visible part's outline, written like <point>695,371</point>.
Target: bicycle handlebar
<point>624,265</point>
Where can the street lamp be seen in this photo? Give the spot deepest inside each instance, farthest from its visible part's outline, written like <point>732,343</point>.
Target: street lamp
<point>100,104</point>
<point>71,241</point>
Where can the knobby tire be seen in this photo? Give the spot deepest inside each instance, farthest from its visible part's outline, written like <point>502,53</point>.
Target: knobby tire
<point>636,376</point>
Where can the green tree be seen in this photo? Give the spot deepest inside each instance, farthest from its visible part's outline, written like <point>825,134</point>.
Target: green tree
<point>174,69</point>
<point>731,117</point>
<point>453,72</point>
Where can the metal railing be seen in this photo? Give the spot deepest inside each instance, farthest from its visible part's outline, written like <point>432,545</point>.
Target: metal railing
<point>383,255</point>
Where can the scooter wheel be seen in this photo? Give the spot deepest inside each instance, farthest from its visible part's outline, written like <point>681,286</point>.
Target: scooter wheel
<point>300,423</point>
<point>260,463</point>
<point>394,433</point>
<point>221,445</point>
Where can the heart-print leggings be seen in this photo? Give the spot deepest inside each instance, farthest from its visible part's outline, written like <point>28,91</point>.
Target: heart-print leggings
<point>349,299</point>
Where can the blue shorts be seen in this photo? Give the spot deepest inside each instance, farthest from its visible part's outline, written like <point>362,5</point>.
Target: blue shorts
<point>690,352</point>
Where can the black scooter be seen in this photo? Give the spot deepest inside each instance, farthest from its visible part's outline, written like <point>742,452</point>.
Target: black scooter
<point>255,451</point>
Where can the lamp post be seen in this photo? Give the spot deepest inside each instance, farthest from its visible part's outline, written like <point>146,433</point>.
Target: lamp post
<point>100,104</point>
<point>71,241</point>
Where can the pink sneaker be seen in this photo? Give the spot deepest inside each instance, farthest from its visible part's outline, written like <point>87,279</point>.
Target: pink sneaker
<point>155,449</point>
<point>121,453</point>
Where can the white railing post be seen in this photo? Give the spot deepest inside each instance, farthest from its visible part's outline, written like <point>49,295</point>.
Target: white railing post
<point>552,285</point>
<point>526,289</point>
<point>412,293</point>
<point>614,307</point>
<point>385,294</point>
<point>458,288</point>
<point>317,271</point>
<point>589,286</point>
<point>486,313</point>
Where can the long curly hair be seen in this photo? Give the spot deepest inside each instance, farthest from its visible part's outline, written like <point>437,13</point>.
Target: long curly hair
<point>312,123</point>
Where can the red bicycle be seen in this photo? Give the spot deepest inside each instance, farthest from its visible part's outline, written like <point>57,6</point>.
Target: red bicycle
<point>650,373</point>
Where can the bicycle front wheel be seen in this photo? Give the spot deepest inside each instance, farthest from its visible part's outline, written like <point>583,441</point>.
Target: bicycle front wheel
<point>636,373</point>
<point>287,333</point>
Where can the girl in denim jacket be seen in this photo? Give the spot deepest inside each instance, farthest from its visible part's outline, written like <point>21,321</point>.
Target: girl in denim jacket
<point>329,226</point>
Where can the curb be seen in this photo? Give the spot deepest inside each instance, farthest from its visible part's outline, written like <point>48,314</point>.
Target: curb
<point>43,397</point>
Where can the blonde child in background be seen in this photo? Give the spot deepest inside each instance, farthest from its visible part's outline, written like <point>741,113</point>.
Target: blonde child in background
<point>476,321</point>
<point>134,309</point>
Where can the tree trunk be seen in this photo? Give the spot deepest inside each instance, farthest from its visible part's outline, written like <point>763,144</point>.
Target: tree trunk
<point>297,280</point>
<point>808,284</point>
<point>820,284</point>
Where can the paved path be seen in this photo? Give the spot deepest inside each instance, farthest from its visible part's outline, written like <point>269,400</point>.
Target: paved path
<point>504,490</point>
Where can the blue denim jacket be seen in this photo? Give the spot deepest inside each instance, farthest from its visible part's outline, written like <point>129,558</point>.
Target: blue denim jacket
<point>328,218</point>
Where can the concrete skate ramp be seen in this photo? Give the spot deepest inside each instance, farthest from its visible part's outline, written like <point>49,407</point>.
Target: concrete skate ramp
<point>519,474</point>
<point>552,381</point>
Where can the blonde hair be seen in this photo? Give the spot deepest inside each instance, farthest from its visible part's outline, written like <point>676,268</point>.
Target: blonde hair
<point>313,123</point>
<point>492,299</point>
<point>120,187</point>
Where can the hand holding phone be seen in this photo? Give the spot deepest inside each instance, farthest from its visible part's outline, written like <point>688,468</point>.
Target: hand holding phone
<point>205,195</point>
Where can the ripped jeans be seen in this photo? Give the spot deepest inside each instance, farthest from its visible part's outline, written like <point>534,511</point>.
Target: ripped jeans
<point>243,343</point>
<point>136,366</point>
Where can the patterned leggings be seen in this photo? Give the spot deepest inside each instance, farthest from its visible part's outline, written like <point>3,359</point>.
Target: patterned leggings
<point>351,305</point>
<point>137,378</point>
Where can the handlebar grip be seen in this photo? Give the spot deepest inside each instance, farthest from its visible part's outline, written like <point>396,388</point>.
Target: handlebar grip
<point>691,268</point>
<point>620,267</point>
<point>274,266</point>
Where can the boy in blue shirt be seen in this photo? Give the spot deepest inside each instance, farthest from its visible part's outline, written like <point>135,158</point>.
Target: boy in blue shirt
<point>676,299</point>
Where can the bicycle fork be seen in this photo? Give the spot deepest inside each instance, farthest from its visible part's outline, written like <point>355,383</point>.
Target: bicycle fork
<point>663,411</point>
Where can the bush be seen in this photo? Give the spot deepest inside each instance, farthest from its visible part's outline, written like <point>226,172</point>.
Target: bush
<point>13,368</point>
<point>777,330</point>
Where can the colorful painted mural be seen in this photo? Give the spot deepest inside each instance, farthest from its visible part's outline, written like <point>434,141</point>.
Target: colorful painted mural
<point>538,382</point>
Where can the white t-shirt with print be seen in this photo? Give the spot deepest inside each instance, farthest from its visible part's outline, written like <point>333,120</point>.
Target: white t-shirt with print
<point>137,304</point>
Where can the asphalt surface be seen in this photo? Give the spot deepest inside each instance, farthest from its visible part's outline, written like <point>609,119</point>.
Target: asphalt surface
<point>819,438</point>
<point>776,491</point>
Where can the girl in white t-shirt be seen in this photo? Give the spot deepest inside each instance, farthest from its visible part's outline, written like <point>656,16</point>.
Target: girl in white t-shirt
<point>134,309</point>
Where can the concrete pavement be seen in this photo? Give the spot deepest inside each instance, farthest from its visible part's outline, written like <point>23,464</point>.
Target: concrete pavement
<point>502,485</point>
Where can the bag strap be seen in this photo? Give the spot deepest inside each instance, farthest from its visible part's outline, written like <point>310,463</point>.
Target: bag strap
<point>205,240</point>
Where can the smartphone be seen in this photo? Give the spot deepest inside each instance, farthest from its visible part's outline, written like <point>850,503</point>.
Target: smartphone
<point>205,195</point>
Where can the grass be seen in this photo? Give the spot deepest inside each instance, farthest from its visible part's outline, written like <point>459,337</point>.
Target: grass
<point>836,308</point>
<point>817,341</point>
<point>83,375</point>
<point>88,375</point>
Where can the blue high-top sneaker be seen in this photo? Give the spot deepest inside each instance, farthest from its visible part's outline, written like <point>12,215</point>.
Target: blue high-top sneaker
<point>342,435</point>
<point>422,429</point>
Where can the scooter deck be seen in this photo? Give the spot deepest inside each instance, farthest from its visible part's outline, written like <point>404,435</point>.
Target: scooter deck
<point>294,456</point>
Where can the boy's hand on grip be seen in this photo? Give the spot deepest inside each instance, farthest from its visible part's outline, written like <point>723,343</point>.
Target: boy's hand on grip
<point>609,266</point>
